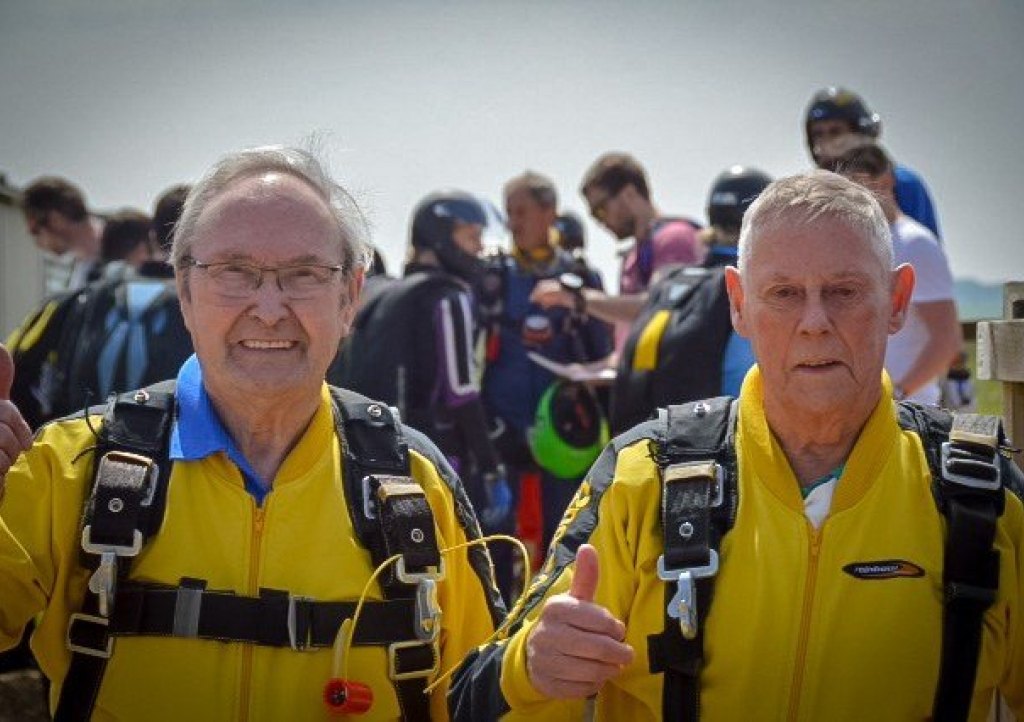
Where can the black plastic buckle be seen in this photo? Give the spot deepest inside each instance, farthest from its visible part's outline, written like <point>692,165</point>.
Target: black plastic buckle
<point>970,469</point>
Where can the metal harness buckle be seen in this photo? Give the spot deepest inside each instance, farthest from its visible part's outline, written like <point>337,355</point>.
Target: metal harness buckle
<point>683,605</point>
<point>303,644</point>
<point>91,651</point>
<point>397,676</point>
<point>693,470</point>
<point>406,577</point>
<point>428,611</point>
<point>103,582</point>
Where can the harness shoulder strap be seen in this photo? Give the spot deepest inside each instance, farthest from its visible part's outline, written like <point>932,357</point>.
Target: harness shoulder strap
<point>125,507</point>
<point>963,453</point>
<point>391,515</point>
<point>698,506</point>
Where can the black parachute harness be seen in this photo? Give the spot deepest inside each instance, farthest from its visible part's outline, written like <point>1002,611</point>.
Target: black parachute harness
<point>698,507</point>
<point>390,515</point>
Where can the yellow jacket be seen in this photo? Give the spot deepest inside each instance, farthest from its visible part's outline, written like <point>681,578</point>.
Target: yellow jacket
<point>301,540</point>
<point>790,635</point>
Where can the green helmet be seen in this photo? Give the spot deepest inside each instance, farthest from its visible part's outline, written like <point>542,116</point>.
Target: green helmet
<point>569,430</point>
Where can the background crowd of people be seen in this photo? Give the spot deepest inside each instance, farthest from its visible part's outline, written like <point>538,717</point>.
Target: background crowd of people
<point>517,363</point>
<point>454,344</point>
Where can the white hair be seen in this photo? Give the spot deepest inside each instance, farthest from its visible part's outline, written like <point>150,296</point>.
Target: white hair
<point>812,197</point>
<point>353,232</point>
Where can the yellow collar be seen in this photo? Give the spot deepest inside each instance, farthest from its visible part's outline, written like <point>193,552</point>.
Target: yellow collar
<point>761,454</point>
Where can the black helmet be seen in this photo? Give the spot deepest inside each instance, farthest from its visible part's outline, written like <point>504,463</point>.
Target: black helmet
<point>433,223</point>
<point>571,234</point>
<point>732,193</point>
<point>841,104</point>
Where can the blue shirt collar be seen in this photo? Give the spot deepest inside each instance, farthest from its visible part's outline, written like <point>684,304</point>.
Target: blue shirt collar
<point>198,431</point>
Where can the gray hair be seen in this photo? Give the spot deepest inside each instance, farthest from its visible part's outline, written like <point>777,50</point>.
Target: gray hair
<point>353,233</point>
<point>540,187</point>
<point>811,197</point>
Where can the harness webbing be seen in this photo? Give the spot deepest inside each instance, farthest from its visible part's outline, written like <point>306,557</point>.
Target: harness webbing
<point>389,511</point>
<point>963,455</point>
<point>698,507</point>
<point>972,499</point>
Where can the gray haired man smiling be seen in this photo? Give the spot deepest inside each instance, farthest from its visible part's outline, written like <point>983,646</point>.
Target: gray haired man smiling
<point>195,548</point>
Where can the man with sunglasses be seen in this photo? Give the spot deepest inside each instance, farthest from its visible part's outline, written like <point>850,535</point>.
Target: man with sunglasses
<point>58,221</point>
<point>618,193</point>
<point>195,552</point>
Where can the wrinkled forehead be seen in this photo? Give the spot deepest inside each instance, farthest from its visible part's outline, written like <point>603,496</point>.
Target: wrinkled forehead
<point>251,193</point>
<point>794,243</point>
<point>252,204</point>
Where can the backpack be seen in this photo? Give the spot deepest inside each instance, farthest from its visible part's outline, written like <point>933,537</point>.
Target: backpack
<point>390,354</point>
<point>81,346</point>
<point>122,334</point>
<point>33,347</point>
<point>697,460</point>
<point>645,250</point>
<point>389,512</point>
<point>675,347</point>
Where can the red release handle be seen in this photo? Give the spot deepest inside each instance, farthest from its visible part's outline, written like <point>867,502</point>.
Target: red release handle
<point>344,697</point>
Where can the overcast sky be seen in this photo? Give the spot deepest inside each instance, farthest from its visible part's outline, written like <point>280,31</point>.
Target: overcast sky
<point>127,98</point>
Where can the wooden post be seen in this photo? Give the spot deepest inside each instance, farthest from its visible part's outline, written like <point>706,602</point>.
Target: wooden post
<point>1001,358</point>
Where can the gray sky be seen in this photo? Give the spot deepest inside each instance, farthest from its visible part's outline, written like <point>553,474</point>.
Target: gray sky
<point>127,98</point>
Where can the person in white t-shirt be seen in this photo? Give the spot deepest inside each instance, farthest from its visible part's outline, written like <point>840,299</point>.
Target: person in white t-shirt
<point>917,357</point>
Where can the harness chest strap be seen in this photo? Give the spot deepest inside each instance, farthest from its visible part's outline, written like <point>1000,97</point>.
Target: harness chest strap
<point>126,507</point>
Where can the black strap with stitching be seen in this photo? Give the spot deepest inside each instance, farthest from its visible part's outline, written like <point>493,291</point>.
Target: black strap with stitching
<point>692,529</point>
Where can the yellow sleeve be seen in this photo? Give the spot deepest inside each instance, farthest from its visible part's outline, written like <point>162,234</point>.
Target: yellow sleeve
<point>27,569</point>
<point>494,681</point>
<point>39,518</point>
<point>610,536</point>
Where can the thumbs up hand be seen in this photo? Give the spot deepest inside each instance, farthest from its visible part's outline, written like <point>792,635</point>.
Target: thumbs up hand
<point>15,435</point>
<point>577,645</point>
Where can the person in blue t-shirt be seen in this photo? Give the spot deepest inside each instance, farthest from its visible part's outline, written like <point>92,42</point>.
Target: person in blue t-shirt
<point>833,115</point>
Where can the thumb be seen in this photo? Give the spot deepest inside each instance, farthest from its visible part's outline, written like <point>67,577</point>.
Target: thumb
<point>584,580</point>
<point>6,373</point>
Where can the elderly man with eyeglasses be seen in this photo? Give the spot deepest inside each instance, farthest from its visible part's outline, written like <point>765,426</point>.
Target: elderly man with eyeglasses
<point>199,550</point>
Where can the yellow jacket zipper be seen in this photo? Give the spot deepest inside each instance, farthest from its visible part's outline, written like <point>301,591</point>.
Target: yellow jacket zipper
<point>247,649</point>
<point>805,623</point>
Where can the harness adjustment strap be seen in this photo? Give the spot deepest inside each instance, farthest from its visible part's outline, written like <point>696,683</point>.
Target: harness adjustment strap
<point>407,527</point>
<point>275,618</point>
